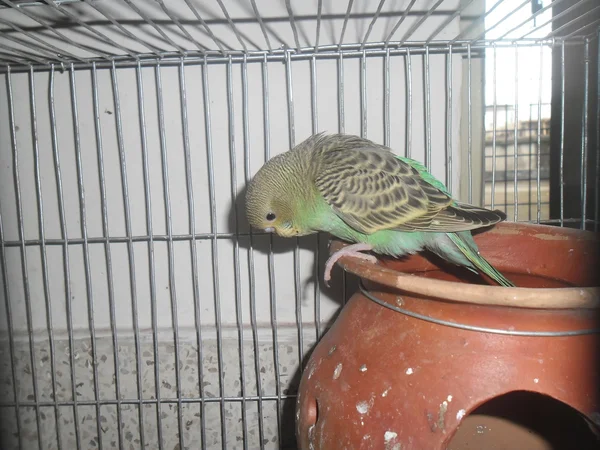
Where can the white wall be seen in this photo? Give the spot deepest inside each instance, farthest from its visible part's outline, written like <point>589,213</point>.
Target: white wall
<point>327,115</point>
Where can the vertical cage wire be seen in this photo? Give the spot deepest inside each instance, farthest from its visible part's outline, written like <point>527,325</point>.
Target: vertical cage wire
<point>86,250</point>
<point>170,249</point>
<point>11,344</point>
<point>251,270</point>
<point>363,97</point>
<point>562,134</point>
<point>23,249</point>
<point>448,155</point>
<point>151,262</point>
<point>271,262</point>
<point>341,119</point>
<point>66,258</point>
<point>470,130</point>
<point>236,251</point>
<point>516,140</point>
<point>214,246</point>
<point>539,142</point>
<point>409,101</point>
<point>105,230</point>
<point>192,229</point>
<point>43,249</point>
<point>584,132</point>
<point>427,111</point>
<point>315,129</point>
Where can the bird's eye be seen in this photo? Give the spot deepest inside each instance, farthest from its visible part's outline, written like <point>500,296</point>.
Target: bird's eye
<point>270,217</point>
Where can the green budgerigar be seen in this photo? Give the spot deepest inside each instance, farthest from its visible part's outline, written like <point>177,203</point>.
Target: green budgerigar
<point>361,192</point>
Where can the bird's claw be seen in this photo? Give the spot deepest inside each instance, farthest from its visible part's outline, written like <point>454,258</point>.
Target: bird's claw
<point>354,251</point>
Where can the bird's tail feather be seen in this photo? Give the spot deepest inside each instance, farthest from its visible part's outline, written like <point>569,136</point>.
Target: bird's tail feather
<point>478,261</point>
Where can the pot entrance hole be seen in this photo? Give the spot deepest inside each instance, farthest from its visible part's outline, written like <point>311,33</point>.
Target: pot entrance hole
<point>525,420</point>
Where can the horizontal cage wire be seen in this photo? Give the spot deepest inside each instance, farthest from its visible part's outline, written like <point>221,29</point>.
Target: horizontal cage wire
<point>140,309</point>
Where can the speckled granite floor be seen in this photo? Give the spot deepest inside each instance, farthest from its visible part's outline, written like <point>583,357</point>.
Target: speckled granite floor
<point>90,417</point>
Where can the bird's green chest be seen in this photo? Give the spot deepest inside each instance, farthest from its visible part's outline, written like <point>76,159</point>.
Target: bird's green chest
<point>319,216</point>
<point>386,242</point>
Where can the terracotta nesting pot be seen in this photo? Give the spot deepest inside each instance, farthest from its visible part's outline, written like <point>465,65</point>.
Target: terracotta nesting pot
<point>416,350</point>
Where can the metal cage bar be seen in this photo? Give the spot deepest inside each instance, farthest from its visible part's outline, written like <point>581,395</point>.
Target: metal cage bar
<point>443,25</point>
<point>516,140</point>
<point>148,401</point>
<point>418,23</point>
<point>372,23</point>
<point>44,257</point>
<point>427,89</point>
<point>128,231</point>
<point>562,134</point>
<point>232,25</point>
<point>449,121</point>
<point>193,244</point>
<point>292,142</point>
<point>170,250</point>
<point>346,17</point>
<point>60,35</point>
<point>262,25</point>
<point>86,252</point>
<point>23,252</point>
<point>158,29</point>
<point>151,261</point>
<point>270,262</point>
<point>363,96</point>
<point>236,251</point>
<point>66,258</point>
<point>89,28</point>
<point>538,215</point>
<point>372,50</point>
<point>184,30</point>
<point>251,270</point>
<point>400,21</point>
<point>470,128</point>
<point>107,249</point>
<point>555,18</point>
<point>203,23</point>
<point>409,101</point>
<point>584,132</point>
<point>124,30</point>
<point>386,100</point>
<point>41,47</point>
<point>315,129</point>
<point>11,344</point>
<point>214,246</point>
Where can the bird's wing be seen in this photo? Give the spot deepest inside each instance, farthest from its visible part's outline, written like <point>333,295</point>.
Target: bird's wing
<point>371,190</point>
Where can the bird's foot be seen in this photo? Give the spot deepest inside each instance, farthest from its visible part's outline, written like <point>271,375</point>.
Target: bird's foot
<point>354,251</point>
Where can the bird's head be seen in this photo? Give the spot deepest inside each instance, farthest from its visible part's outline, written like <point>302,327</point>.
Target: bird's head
<point>271,199</point>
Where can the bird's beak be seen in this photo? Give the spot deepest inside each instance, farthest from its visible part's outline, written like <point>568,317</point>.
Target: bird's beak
<point>269,229</point>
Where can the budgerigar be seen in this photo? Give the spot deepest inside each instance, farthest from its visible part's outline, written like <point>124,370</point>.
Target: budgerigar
<point>363,193</point>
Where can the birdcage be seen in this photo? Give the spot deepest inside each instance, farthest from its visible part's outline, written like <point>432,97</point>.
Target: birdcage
<point>140,311</point>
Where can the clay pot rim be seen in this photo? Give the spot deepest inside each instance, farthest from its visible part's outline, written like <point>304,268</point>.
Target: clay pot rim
<point>461,292</point>
<point>536,298</point>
